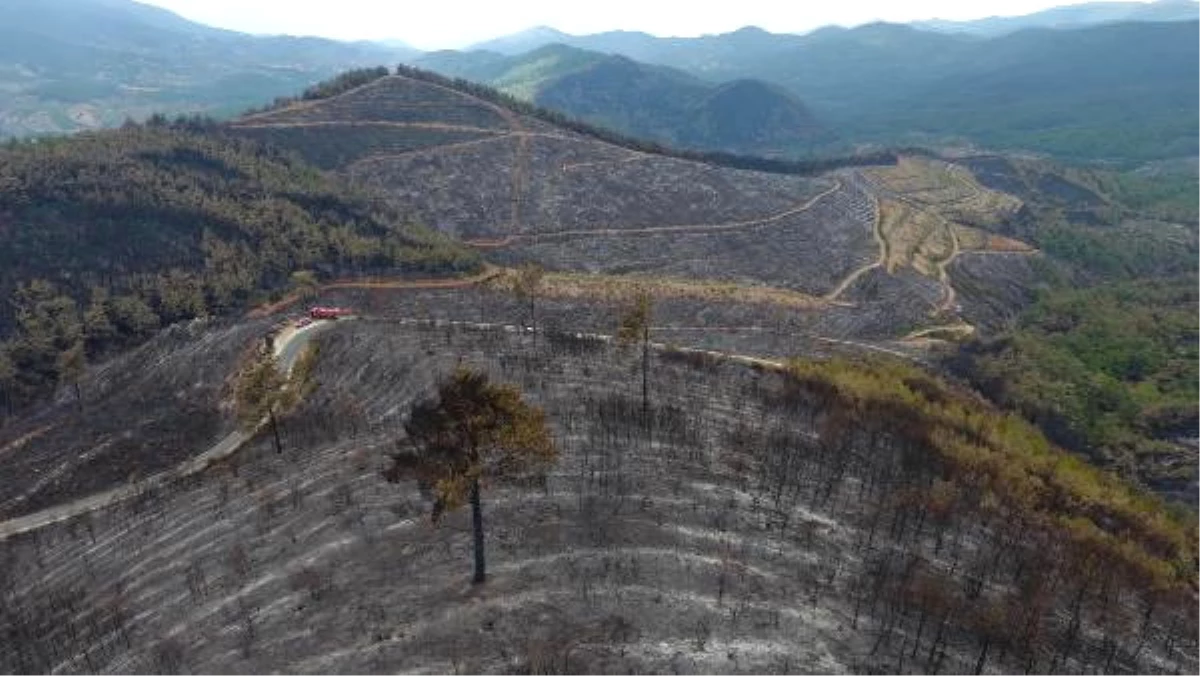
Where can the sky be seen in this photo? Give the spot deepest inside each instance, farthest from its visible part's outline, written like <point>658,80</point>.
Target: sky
<point>452,24</point>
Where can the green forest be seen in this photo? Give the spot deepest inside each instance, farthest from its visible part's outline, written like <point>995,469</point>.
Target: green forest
<point>105,237</point>
<point>1109,370</point>
<point>1105,358</point>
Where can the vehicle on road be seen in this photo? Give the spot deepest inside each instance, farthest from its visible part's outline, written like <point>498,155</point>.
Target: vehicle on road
<point>319,312</point>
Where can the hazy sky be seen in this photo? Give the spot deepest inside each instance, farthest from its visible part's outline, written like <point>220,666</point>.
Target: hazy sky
<point>441,24</point>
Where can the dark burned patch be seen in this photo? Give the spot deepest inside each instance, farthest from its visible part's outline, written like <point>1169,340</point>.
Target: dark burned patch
<point>573,344</point>
<point>1084,217</point>
<point>141,413</point>
<point>703,361</point>
<point>1059,188</point>
<point>997,173</point>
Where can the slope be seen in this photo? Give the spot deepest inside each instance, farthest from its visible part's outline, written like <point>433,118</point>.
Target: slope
<point>520,189</point>
<point>855,523</point>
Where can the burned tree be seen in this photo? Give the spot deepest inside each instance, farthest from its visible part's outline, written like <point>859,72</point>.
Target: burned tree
<point>526,287</point>
<point>634,326</point>
<point>471,431</point>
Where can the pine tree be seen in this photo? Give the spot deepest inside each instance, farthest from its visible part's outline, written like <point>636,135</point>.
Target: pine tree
<point>472,431</point>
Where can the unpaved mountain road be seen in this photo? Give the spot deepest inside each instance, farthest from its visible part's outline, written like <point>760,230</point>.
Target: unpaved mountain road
<point>288,347</point>
<point>697,228</point>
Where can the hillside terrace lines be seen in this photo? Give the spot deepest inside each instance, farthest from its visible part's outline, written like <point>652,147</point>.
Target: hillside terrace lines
<point>923,201</point>
<point>880,241</point>
<point>303,105</point>
<point>690,549</point>
<point>493,135</point>
<point>699,228</point>
<point>232,443</point>
<point>437,149</point>
<point>394,98</point>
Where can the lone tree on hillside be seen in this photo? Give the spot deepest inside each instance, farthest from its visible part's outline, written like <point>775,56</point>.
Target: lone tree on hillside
<point>472,430</point>
<point>634,326</point>
<point>261,393</point>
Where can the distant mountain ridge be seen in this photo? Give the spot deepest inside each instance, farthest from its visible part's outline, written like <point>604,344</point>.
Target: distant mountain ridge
<point>1113,91</point>
<point>647,101</point>
<point>644,46</point>
<point>1072,16</point>
<point>1070,81</point>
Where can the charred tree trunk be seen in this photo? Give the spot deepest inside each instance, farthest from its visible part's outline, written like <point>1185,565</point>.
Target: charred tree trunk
<point>477,528</point>
<point>533,320</point>
<point>983,652</point>
<point>275,431</point>
<point>646,376</point>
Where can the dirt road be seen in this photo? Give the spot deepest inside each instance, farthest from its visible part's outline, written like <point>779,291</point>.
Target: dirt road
<point>287,350</point>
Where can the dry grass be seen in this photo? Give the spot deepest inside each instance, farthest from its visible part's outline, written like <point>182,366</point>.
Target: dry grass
<point>946,189</point>
<point>915,238</point>
<point>619,288</point>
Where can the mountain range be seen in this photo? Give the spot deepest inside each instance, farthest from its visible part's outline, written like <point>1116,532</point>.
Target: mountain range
<point>1072,16</point>
<point>1100,91</point>
<point>1100,81</point>
<point>655,102</point>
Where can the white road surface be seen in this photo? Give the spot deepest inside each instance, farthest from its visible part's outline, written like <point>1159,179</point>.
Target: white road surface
<point>288,346</point>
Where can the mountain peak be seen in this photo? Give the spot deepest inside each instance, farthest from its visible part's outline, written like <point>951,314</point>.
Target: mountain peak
<point>522,41</point>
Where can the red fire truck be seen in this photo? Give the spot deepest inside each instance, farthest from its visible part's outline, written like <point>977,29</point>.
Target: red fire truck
<point>319,312</point>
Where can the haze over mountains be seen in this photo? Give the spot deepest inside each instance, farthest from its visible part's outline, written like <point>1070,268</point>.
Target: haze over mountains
<point>1099,91</point>
<point>1072,16</point>
<point>1060,81</point>
<point>655,102</point>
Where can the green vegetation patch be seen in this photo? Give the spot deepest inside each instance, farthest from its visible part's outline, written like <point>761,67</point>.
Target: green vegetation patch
<point>1109,370</point>
<point>105,237</point>
<point>998,465</point>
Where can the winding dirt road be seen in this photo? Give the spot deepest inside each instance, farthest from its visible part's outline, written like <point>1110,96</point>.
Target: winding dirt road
<point>698,228</point>
<point>877,232</point>
<point>287,351</point>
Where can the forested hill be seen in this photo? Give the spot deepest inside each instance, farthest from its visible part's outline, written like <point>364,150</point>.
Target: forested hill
<point>106,236</point>
<point>650,102</point>
<point>1123,91</point>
